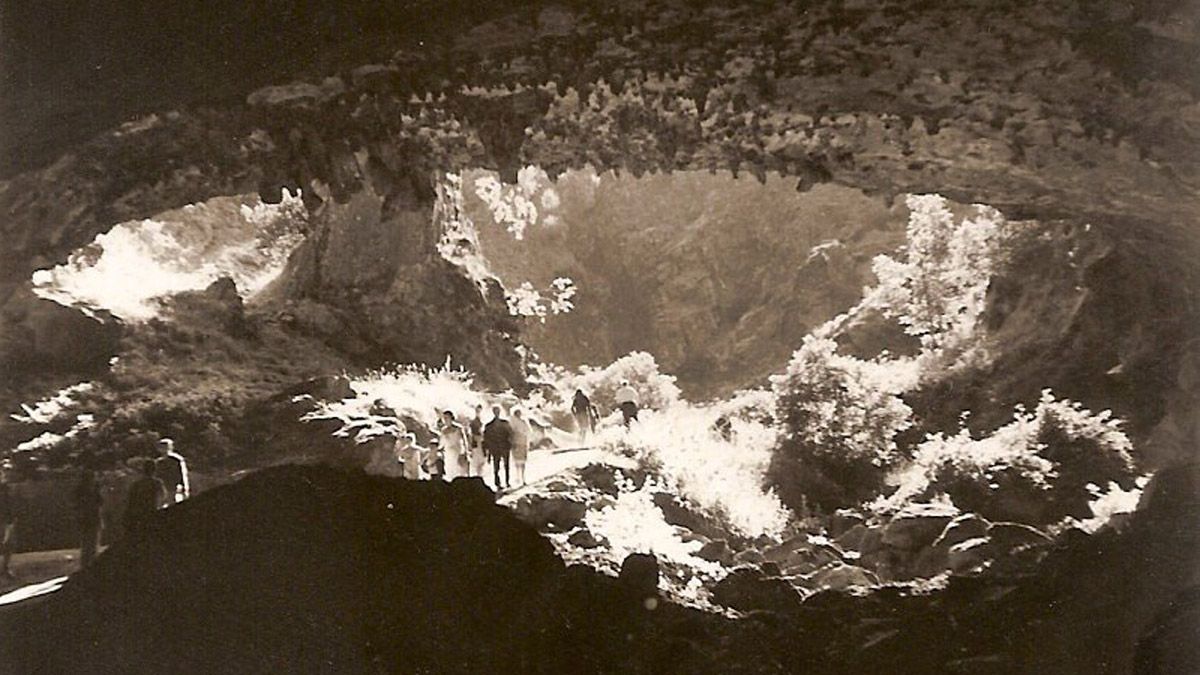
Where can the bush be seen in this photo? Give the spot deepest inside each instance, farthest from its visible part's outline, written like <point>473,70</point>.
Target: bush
<point>725,479</point>
<point>839,428</point>
<point>656,390</point>
<point>1039,469</point>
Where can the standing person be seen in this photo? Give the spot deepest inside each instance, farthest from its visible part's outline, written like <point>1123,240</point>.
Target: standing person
<point>584,413</point>
<point>409,454</point>
<point>88,503</point>
<point>497,443</point>
<point>520,443</point>
<point>456,445</point>
<point>432,460</point>
<point>478,457</point>
<point>627,402</point>
<point>8,524</point>
<point>173,471</point>
<point>146,495</point>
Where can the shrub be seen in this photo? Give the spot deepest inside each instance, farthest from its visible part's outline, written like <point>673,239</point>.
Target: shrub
<point>839,427</point>
<point>1039,469</point>
<point>725,479</point>
<point>937,292</point>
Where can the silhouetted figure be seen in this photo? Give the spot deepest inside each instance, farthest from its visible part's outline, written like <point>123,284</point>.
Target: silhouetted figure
<point>584,413</point>
<point>8,524</point>
<point>146,495</point>
<point>478,457</point>
<point>627,402</point>
<point>88,503</point>
<point>173,471</point>
<point>724,428</point>
<point>497,443</point>
<point>520,443</point>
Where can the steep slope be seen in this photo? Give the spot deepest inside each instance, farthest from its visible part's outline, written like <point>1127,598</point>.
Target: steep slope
<point>718,277</point>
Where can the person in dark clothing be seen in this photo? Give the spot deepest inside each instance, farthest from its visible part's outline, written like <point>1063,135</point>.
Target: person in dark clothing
<point>584,413</point>
<point>497,443</point>
<point>8,524</point>
<point>88,503</point>
<point>146,495</point>
<point>173,471</point>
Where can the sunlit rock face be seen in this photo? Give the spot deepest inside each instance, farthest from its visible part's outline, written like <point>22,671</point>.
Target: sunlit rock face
<point>126,270</point>
<point>719,278</point>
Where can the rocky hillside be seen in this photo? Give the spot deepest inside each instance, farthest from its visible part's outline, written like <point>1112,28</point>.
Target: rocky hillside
<point>718,277</point>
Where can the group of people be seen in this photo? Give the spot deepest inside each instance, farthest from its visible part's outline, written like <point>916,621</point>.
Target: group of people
<point>587,416</point>
<point>162,479</point>
<point>457,450</point>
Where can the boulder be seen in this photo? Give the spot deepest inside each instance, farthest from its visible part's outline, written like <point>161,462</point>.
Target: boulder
<point>916,527</point>
<point>600,477</point>
<point>749,557</point>
<point>800,554</point>
<point>717,551</point>
<point>862,538</point>
<point>962,528</point>
<point>840,576</point>
<point>639,575</point>
<point>583,538</point>
<point>968,555</point>
<point>1016,536</point>
<point>676,512</point>
<point>843,520</point>
<point>552,512</point>
<point>747,589</point>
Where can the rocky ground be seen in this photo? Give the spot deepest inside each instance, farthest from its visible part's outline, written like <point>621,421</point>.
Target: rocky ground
<point>316,569</point>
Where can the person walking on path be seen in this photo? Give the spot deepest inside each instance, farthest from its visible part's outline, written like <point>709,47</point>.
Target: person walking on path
<point>173,471</point>
<point>520,443</point>
<point>88,503</point>
<point>627,401</point>
<point>456,445</point>
<point>585,415</point>
<point>498,443</point>
<point>8,524</point>
<point>146,495</point>
<point>478,456</point>
<point>409,454</point>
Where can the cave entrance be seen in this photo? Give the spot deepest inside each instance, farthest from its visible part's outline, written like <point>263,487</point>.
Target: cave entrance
<point>128,269</point>
<point>718,276</point>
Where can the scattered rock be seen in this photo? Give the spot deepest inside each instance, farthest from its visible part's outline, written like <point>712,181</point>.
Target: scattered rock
<point>968,555</point>
<point>840,576</point>
<point>553,512</point>
<point>747,589</point>
<point>964,527</point>
<point>583,538</point>
<point>749,556</point>
<point>717,551</point>
<point>916,527</point>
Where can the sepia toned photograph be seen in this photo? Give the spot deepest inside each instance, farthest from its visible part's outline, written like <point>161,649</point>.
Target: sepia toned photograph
<point>572,337</point>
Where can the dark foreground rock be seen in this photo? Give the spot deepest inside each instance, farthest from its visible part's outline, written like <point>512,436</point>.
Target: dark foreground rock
<point>310,569</point>
<point>307,569</point>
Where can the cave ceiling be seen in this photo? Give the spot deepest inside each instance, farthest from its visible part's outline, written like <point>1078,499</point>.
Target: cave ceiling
<point>1043,109</point>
